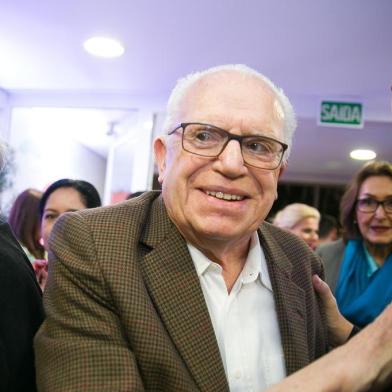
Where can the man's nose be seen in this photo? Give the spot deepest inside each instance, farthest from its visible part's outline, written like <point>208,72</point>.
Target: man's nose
<point>230,161</point>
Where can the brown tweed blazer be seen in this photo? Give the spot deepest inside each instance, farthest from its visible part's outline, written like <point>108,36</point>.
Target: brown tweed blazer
<point>125,310</point>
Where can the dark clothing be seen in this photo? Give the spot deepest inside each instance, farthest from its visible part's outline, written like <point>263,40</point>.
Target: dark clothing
<point>332,255</point>
<point>21,313</point>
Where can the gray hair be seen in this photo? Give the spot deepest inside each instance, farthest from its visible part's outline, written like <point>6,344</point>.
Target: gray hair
<point>292,214</point>
<point>184,84</point>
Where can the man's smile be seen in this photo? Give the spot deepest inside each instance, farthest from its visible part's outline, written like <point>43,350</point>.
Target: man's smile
<point>225,196</point>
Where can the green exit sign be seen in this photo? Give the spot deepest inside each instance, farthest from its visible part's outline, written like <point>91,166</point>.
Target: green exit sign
<point>346,114</point>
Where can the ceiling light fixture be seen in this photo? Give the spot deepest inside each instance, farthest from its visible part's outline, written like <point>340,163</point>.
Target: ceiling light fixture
<point>104,47</point>
<point>362,155</point>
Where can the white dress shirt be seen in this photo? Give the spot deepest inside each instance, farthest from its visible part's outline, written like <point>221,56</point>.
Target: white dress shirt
<point>245,321</point>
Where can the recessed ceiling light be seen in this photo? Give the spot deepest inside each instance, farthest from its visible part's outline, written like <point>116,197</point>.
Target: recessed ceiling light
<point>363,155</point>
<point>103,47</point>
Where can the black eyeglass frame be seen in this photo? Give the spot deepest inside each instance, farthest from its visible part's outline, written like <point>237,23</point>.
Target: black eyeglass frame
<point>230,137</point>
<point>378,203</point>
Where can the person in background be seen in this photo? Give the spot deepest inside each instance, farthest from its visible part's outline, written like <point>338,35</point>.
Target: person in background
<point>21,312</point>
<point>301,220</point>
<point>65,195</point>
<point>359,267</point>
<point>25,223</point>
<point>328,229</point>
<point>62,196</point>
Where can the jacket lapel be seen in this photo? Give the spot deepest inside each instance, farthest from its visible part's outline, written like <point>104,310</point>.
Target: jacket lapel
<point>290,304</point>
<point>174,287</point>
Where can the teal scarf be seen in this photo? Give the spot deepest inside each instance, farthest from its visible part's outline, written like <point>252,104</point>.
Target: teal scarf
<point>363,289</point>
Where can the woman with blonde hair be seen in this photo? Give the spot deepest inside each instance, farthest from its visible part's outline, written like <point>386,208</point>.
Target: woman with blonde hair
<point>302,220</point>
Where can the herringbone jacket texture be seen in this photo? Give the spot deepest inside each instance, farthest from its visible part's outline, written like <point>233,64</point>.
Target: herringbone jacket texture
<point>125,309</point>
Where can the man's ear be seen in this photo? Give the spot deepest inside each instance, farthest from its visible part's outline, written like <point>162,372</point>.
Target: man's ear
<point>160,156</point>
<point>282,169</point>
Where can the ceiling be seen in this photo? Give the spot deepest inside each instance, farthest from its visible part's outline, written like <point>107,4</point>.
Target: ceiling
<point>312,49</point>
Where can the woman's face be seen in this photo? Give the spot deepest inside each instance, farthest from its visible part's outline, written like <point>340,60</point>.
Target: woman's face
<point>61,200</point>
<point>375,227</point>
<point>307,229</point>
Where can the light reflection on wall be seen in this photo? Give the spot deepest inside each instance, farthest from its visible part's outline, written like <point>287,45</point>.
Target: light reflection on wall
<point>45,151</point>
<point>129,164</point>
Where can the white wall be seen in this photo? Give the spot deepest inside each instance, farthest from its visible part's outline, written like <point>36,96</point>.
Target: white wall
<point>130,160</point>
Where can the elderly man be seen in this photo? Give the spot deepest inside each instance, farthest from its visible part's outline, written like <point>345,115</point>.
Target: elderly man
<point>189,289</point>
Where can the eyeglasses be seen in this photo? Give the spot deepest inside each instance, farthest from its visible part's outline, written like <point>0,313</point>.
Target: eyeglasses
<point>210,141</point>
<point>370,205</point>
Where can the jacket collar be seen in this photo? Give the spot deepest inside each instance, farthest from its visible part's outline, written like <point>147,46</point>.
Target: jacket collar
<point>290,301</point>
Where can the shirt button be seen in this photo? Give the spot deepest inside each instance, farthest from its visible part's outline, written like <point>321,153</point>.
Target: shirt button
<point>237,374</point>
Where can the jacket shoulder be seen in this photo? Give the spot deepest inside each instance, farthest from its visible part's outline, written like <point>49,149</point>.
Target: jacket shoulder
<point>130,214</point>
<point>135,206</point>
<point>288,242</point>
<point>292,248</point>
<point>107,228</point>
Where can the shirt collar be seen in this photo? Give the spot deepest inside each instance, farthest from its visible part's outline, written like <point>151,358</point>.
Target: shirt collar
<point>200,261</point>
<point>255,265</point>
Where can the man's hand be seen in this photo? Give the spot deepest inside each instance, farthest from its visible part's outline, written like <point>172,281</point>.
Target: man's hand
<point>364,363</point>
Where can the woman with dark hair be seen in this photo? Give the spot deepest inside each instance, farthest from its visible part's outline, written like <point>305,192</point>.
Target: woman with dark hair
<point>21,312</point>
<point>25,223</point>
<point>65,195</point>
<point>359,267</point>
